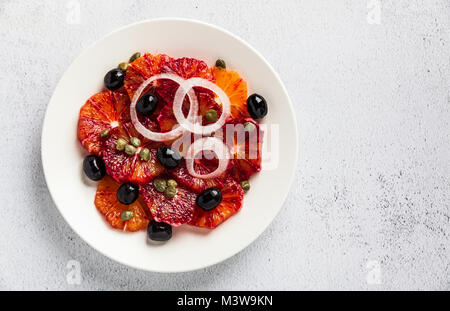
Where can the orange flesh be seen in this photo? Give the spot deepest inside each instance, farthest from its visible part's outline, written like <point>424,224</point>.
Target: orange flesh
<point>236,89</point>
<point>104,110</point>
<point>108,205</point>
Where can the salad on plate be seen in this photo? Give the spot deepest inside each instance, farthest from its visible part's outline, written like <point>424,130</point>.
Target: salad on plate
<point>171,142</point>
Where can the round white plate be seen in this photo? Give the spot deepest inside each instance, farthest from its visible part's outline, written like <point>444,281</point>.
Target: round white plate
<point>190,248</point>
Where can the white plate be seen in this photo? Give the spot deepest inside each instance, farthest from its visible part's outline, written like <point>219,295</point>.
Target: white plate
<point>190,248</point>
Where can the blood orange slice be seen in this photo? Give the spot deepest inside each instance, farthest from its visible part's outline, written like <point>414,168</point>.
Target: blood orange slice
<point>247,153</point>
<point>108,205</point>
<point>103,111</point>
<point>186,68</point>
<point>143,68</point>
<point>232,197</point>
<point>123,167</point>
<point>236,89</point>
<point>175,211</point>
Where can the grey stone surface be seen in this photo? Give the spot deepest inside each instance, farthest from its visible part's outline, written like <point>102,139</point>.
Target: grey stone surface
<point>369,208</point>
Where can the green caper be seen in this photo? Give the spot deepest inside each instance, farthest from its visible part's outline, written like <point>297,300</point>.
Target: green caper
<point>104,133</point>
<point>160,184</point>
<point>172,183</point>
<point>144,154</point>
<point>245,185</point>
<point>123,66</point>
<point>130,149</point>
<point>211,115</point>
<point>170,192</point>
<point>120,144</point>
<point>126,215</point>
<point>135,141</point>
<point>249,127</point>
<point>221,63</point>
<point>134,57</point>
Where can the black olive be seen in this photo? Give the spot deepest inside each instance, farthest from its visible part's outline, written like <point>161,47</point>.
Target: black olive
<point>209,199</point>
<point>114,79</point>
<point>159,231</point>
<point>168,157</point>
<point>94,167</point>
<point>147,104</point>
<point>256,106</point>
<point>127,193</point>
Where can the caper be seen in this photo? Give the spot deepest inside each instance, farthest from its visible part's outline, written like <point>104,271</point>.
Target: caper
<point>134,57</point>
<point>123,66</point>
<point>172,183</point>
<point>170,192</point>
<point>130,149</point>
<point>249,127</point>
<point>126,215</point>
<point>211,115</point>
<point>104,133</point>
<point>144,154</point>
<point>160,184</point>
<point>120,144</point>
<point>221,63</point>
<point>135,141</point>
<point>245,185</point>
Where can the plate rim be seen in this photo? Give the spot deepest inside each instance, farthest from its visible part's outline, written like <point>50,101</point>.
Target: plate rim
<point>216,28</point>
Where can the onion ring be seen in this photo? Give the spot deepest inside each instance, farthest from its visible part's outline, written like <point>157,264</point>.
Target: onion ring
<point>187,124</point>
<point>191,123</point>
<point>208,143</point>
<point>177,131</point>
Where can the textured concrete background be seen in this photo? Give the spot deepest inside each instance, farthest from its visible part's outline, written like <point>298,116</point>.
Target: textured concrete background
<point>370,82</point>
